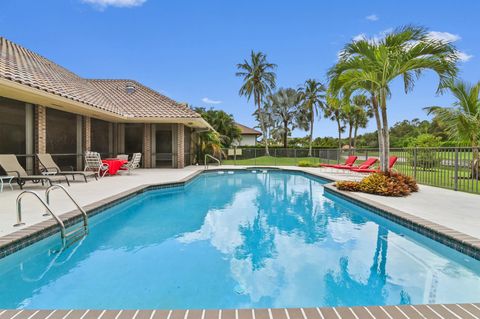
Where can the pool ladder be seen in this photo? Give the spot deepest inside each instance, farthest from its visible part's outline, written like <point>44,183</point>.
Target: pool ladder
<point>68,238</point>
<point>207,156</point>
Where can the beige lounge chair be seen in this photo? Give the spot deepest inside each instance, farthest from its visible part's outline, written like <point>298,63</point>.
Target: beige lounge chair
<point>48,165</point>
<point>11,166</point>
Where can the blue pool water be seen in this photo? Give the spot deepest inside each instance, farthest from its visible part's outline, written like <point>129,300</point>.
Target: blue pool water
<point>240,240</point>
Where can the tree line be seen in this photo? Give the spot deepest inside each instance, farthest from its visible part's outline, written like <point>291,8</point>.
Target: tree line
<point>358,88</point>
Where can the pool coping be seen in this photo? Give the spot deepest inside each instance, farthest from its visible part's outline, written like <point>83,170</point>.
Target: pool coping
<point>431,311</point>
<point>459,241</point>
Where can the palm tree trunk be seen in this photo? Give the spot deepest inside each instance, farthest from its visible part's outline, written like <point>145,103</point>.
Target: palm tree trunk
<point>350,141</point>
<point>339,128</point>
<point>262,123</point>
<point>312,119</point>
<point>384,158</point>
<point>285,134</point>
<point>379,125</point>
<point>355,136</point>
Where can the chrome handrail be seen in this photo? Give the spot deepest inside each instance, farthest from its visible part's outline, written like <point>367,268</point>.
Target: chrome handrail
<point>19,211</point>
<point>57,186</point>
<point>214,158</point>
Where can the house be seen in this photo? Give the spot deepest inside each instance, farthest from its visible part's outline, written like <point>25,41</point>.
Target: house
<point>45,108</point>
<point>249,135</point>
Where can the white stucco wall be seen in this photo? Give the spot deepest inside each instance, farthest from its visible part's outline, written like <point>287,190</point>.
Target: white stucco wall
<point>248,140</point>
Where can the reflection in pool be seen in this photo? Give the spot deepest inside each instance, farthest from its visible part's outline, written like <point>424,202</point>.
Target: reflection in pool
<point>239,240</point>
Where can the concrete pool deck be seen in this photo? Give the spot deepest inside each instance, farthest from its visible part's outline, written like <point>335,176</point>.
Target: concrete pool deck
<point>455,210</point>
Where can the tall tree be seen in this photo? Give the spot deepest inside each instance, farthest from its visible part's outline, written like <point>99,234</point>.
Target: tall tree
<point>334,111</point>
<point>462,120</point>
<point>258,80</point>
<point>372,64</point>
<point>286,112</point>
<point>361,114</point>
<point>312,96</point>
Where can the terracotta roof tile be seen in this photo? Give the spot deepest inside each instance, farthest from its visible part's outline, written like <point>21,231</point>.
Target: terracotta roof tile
<point>23,66</point>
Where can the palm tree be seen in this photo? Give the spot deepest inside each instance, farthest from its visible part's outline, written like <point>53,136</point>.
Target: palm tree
<point>371,65</point>
<point>258,80</point>
<point>334,111</point>
<point>360,113</point>
<point>312,96</point>
<point>223,123</point>
<point>285,111</point>
<point>462,120</point>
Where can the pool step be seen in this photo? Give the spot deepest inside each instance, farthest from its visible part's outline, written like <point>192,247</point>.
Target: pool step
<point>75,235</point>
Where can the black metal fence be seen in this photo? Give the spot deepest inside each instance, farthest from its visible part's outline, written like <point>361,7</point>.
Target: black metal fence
<point>454,168</point>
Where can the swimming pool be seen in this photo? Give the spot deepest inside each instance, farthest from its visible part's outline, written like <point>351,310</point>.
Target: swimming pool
<point>241,240</point>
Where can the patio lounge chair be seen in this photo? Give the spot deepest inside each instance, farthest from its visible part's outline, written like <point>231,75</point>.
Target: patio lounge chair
<point>348,162</point>
<point>391,161</point>
<point>48,165</point>
<point>11,166</point>
<point>133,163</point>
<point>94,163</point>
<point>365,165</point>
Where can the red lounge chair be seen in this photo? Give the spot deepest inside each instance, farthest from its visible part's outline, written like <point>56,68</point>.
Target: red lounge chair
<point>365,165</point>
<point>391,161</point>
<point>348,162</point>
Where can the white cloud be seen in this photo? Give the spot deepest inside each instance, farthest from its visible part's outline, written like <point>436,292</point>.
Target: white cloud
<point>359,37</point>
<point>444,36</point>
<point>372,17</point>
<point>102,4</point>
<point>210,101</point>
<point>464,57</point>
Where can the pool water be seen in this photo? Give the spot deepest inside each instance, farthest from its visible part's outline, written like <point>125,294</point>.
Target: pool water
<point>235,241</point>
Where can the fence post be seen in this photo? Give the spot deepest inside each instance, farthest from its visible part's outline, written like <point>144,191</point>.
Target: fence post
<point>415,163</point>
<point>255,156</point>
<point>275,155</point>
<point>366,154</point>
<point>455,176</point>
<point>338,155</point>
<point>295,155</point>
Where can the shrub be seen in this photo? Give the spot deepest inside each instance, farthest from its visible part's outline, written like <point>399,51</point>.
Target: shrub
<point>384,184</point>
<point>348,186</point>
<point>305,163</point>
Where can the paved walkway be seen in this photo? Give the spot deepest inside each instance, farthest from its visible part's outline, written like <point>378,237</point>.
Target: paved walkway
<point>455,210</point>
<point>452,311</point>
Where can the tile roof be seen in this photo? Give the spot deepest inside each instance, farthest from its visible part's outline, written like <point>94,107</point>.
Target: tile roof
<point>23,66</point>
<point>143,101</point>
<point>245,130</point>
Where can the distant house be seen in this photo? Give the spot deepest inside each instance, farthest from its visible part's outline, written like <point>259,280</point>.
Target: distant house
<point>249,135</point>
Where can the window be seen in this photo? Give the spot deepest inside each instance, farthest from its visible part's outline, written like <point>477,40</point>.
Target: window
<point>12,126</point>
<point>12,129</point>
<point>62,137</point>
<point>100,137</point>
<point>133,138</point>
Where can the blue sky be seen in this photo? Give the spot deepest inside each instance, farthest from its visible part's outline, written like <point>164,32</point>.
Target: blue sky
<point>188,50</point>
